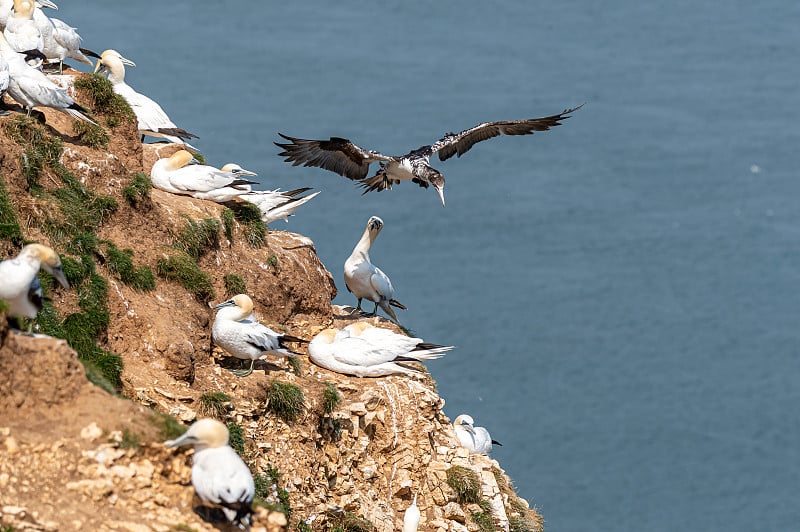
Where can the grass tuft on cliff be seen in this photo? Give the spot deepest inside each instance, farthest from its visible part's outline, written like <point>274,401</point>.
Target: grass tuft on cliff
<point>40,148</point>
<point>120,264</point>
<point>91,135</point>
<point>269,493</point>
<point>330,398</point>
<point>100,92</point>
<point>168,427</point>
<point>9,223</point>
<point>137,193</point>
<point>236,437</point>
<point>228,219</point>
<point>253,229</point>
<point>347,522</point>
<point>184,269</point>
<point>465,483</point>
<point>214,404</point>
<point>198,237</point>
<point>234,284</point>
<point>285,400</point>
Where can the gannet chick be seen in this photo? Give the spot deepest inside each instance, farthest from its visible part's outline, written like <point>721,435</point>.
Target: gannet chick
<point>236,330</point>
<point>346,159</point>
<point>220,478</point>
<point>175,174</point>
<point>366,351</point>
<point>153,121</point>
<point>21,31</point>
<point>411,517</point>
<point>31,88</point>
<point>365,280</point>
<point>20,287</point>
<point>277,204</point>
<point>476,439</point>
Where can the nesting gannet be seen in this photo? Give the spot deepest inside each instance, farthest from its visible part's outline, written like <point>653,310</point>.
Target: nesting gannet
<point>31,88</point>
<point>476,439</point>
<point>175,174</point>
<point>20,287</point>
<point>346,159</point>
<point>60,40</point>
<point>365,280</point>
<point>21,31</point>
<point>411,517</point>
<point>153,121</point>
<point>236,330</point>
<point>278,204</point>
<point>219,476</point>
<point>366,351</point>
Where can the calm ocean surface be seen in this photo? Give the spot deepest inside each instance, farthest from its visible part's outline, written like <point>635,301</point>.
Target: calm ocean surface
<point>621,289</point>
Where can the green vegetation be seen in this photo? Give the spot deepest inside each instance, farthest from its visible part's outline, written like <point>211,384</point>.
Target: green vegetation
<point>484,518</point>
<point>198,237</point>
<point>104,100</point>
<point>137,193</point>
<point>269,493</point>
<point>465,484</point>
<point>91,135</point>
<point>248,215</point>
<point>295,364</point>
<point>285,400</point>
<point>227,223</point>
<point>184,269</point>
<point>130,440</point>
<point>234,284</point>
<point>347,522</point>
<point>168,427</point>
<point>9,223</point>
<point>214,404</point>
<point>236,437</point>
<point>330,398</point>
<point>40,149</point>
<point>120,264</point>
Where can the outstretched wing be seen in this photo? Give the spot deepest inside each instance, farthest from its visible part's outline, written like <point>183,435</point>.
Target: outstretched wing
<point>337,155</point>
<point>460,143</point>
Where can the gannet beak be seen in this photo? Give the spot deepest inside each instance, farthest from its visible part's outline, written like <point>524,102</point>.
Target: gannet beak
<point>228,303</point>
<point>47,3</point>
<point>98,66</point>
<point>58,273</point>
<point>194,161</point>
<point>127,61</point>
<point>239,172</point>
<point>186,439</point>
<point>440,191</point>
<point>467,426</point>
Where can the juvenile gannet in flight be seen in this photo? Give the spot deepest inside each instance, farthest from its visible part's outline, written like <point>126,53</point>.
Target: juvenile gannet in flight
<point>219,476</point>
<point>236,330</point>
<point>476,439</point>
<point>365,280</point>
<point>411,517</point>
<point>19,285</point>
<point>346,159</point>
<point>366,351</point>
<point>153,121</point>
<point>31,88</point>
<point>175,174</point>
<point>21,31</point>
<point>278,204</point>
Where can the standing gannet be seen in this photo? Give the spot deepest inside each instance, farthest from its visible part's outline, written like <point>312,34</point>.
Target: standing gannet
<point>411,517</point>
<point>366,351</point>
<point>7,9</point>
<point>4,79</point>
<point>219,476</point>
<point>476,439</point>
<point>346,159</point>
<point>365,280</point>
<point>60,40</point>
<point>31,88</point>
<point>175,174</point>
<point>236,330</point>
<point>153,121</point>
<point>21,31</point>
<point>278,204</point>
<point>19,285</point>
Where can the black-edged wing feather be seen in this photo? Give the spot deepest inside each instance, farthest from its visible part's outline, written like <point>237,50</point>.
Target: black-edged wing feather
<point>336,154</point>
<point>460,143</point>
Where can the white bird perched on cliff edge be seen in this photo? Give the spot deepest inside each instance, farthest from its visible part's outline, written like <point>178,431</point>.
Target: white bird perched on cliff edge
<point>475,439</point>
<point>363,350</point>
<point>4,79</point>
<point>19,286</point>
<point>277,204</point>
<point>175,174</point>
<point>31,88</point>
<point>411,517</point>
<point>236,330</point>
<point>365,280</point>
<point>153,121</point>
<point>219,476</point>
<point>60,40</point>
<point>21,31</point>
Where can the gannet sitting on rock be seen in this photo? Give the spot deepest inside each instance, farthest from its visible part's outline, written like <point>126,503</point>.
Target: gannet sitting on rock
<point>19,285</point>
<point>476,439</point>
<point>411,517</point>
<point>153,121</point>
<point>277,204</point>
<point>177,175</point>
<point>363,350</point>
<point>236,330</point>
<point>346,159</point>
<point>365,280</point>
<point>219,476</point>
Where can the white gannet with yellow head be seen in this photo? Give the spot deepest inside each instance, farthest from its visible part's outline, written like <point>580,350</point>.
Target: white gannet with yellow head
<point>182,174</point>
<point>219,476</point>
<point>365,280</point>
<point>363,350</point>
<point>21,31</point>
<point>60,39</point>
<point>475,439</point>
<point>236,330</point>
<point>153,121</point>
<point>19,285</point>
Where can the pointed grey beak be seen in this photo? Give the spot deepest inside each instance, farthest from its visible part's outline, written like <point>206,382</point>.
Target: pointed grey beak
<point>46,3</point>
<point>440,191</point>
<point>99,66</point>
<point>58,273</point>
<point>127,61</point>
<point>186,439</point>
<point>241,172</point>
<point>228,303</point>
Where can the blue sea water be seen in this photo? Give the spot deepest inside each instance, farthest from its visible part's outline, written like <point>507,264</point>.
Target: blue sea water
<point>621,289</point>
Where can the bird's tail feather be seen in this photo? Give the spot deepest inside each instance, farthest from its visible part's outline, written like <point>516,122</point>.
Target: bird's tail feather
<point>427,351</point>
<point>495,442</point>
<point>90,53</point>
<point>75,112</point>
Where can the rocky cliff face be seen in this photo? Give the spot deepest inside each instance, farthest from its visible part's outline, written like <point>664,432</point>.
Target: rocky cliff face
<point>329,451</point>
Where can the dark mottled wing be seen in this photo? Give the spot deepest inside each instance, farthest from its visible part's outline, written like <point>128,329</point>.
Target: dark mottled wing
<point>460,143</point>
<point>337,155</point>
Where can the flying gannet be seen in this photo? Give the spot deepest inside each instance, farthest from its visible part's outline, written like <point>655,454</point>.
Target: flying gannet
<point>340,155</point>
<point>153,121</point>
<point>31,88</point>
<point>19,285</point>
<point>366,351</point>
<point>411,517</point>
<point>236,330</point>
<point>176,174</point>
<point>365,280</point>
<point>278,204</point>
<point>219,476</point>
<point>476,439</point>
